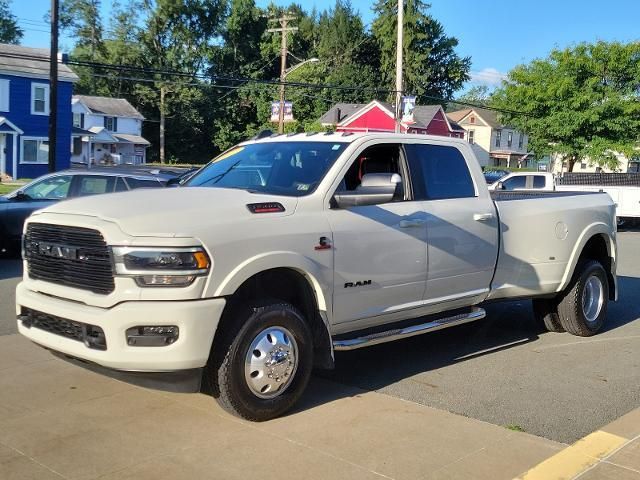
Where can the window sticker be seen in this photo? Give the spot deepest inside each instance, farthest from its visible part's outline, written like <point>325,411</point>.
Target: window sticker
<point>303,186</point>
<point>336,146</point>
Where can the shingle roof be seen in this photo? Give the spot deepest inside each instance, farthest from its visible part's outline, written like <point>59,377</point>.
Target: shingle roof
<point>346,110</point>
<point>423,114</point>
<point>31,62</point>
<point>116,107</point>
<point>489,116</point>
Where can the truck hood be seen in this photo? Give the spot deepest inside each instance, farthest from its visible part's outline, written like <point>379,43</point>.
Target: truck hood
<point>172,212</point>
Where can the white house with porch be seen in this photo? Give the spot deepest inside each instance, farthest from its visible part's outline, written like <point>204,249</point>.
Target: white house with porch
<point>106,131</point>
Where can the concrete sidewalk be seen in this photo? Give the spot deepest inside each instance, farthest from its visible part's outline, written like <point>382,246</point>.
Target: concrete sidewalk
<point>61,421</point>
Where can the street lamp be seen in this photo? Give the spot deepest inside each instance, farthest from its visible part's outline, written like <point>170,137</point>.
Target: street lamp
<point>283,77</point>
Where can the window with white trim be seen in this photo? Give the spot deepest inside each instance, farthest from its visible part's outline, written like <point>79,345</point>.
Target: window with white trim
<point>39,99</point>
<point>4,95</point>
<point>78,120</point>
<point>471,136</point>
<point>34,150</point>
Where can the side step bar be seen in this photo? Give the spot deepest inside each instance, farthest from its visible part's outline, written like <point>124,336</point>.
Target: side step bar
<point>391,335</point>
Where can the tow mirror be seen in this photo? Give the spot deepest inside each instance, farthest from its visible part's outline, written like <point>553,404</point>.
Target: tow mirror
<point>374,189</point>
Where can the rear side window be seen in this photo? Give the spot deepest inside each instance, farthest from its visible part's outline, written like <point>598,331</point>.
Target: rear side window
<point>439,172</point>
<point>515,182</point>
<point>139,183</point>
<point>538,181</point>
<point>95,185</point>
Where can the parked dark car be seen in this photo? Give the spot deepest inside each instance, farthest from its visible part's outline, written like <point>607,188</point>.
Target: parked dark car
<point>492,176</point>
<point>15,207</point>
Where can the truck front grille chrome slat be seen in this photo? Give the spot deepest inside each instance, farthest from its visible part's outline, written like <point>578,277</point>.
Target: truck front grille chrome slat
<point>410,331</point>
<point>72,256</point>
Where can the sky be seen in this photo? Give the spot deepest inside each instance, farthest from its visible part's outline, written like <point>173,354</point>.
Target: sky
<point>496,34</point>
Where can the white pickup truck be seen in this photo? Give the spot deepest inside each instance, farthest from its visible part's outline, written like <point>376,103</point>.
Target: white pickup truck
<point>623,188</point>
<point>285,249</point>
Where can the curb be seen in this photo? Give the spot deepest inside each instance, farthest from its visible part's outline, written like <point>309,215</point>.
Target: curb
<point>588,452</point>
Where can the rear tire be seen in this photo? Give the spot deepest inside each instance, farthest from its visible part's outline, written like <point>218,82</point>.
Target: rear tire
<point>583,307</point>
<point>262,364</point>
<point>545,311</point>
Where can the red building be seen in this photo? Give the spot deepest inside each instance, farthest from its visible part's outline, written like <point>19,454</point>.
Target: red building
<point>379,117</point>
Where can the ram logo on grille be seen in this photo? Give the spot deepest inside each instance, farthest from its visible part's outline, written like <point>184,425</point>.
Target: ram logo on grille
<point>57,251</point>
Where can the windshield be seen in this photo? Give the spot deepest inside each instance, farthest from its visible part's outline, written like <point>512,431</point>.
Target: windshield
<point>280,168</point>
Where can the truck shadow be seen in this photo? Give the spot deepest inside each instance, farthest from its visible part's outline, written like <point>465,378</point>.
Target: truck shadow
<point>508,325</point>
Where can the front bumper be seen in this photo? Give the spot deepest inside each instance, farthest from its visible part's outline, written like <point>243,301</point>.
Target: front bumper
<point>196,319</point>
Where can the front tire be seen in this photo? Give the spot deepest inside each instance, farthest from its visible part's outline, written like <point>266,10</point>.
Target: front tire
<point>583,307</point>
<point>263,363</point>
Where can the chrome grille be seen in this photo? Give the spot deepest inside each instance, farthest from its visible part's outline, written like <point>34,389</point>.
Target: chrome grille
<point>72,256</point>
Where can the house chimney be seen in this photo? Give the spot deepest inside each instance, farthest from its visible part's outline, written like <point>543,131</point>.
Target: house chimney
<point>337,119</point>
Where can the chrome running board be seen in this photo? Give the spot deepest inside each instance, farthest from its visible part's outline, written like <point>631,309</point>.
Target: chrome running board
<point>391,335</point>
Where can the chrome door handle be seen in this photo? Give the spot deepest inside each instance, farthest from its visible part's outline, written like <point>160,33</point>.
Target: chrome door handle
<point>482,217</point>
<point>416,222</point>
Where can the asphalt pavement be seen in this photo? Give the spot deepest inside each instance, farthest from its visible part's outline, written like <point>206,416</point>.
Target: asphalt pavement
<point>503,369</point>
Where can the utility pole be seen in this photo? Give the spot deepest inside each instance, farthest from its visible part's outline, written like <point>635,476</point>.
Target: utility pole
<point>162,123</point>
<point>53,87</point>
<point>284,29</point>
<point>399,64</point>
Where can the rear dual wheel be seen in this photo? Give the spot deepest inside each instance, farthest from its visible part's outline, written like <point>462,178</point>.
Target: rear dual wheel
<point>582,308</point>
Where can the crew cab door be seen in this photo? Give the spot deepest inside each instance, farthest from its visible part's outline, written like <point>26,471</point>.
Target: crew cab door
<point>379,250</point>
<point>462,225</point>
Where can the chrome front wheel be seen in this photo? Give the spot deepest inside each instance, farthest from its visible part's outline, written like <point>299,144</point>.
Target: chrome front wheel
<point>271,362</point>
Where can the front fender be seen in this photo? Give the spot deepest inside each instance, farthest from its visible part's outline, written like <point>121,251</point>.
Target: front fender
<point>318,276</point>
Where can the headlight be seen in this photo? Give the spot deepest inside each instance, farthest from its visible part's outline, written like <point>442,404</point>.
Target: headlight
<point>168,267</point>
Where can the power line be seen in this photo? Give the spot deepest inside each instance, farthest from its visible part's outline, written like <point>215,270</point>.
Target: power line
<point>214,79</point>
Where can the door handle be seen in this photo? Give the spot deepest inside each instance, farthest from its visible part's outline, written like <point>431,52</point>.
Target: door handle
<point>482,217</point>
<point>415,222</point>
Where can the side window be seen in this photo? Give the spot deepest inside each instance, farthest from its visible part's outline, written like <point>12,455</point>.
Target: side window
<point>538,181</point>
<point>52,188</point>
<point>377,159</point>
<point>139,183</point>
<point>95,185</point>
<point>514,183</point>
<point>440,172</point>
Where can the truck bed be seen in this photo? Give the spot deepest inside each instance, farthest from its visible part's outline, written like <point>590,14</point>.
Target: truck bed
<point>502,196</point>
<point>539,233</point>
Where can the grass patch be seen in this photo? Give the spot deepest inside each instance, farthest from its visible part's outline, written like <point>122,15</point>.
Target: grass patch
<point>4,189</point>
<point>515,428</point>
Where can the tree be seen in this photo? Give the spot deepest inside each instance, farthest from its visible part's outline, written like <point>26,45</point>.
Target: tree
<point>476,95</point>
<point>178,35</point>
<point>10,32</point>
<point>82,19</point>
<point>432,68</point>
<point>581,102</point>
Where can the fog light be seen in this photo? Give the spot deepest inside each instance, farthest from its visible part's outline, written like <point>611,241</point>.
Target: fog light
<point>152,336</point>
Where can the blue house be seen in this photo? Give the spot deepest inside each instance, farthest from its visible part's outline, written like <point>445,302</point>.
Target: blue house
<point>24,112</point>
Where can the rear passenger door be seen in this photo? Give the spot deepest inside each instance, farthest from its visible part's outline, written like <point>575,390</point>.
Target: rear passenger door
<point>462,225</point>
